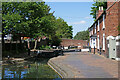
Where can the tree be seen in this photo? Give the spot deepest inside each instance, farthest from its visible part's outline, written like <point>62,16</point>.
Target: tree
<point>95,7</point>
<point>63,30</point>
<point>33,19</point>
<point>24,18</point>
<point>83,35</point>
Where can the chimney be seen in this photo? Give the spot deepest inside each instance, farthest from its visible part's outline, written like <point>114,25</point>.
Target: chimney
<point>99,12</point>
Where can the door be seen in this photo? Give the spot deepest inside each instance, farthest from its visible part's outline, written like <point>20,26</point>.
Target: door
<point>112,48</point>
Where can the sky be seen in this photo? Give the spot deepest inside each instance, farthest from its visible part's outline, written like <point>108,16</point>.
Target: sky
<point>76,14</point>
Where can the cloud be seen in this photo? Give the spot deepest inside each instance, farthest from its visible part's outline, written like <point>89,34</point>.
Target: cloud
<point>80,22</point>
<point>88,17</point>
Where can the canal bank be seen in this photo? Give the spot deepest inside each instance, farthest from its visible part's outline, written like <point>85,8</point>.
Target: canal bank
<point>30,70</point>
<point>64,70</point>
<point>84,65</point>
<point>27,67</point>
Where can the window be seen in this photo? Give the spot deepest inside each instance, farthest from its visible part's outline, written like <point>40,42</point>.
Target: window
<point>103,21</point>
<point>98,26</point>
<point>95,28</point>
<point>103,41</point>
<point>98,42</point>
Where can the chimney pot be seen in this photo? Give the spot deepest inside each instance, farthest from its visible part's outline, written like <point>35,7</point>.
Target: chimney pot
<point>99,12</point>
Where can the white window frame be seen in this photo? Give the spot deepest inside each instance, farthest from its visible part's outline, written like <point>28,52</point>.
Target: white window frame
<point>98,26</point>
<point>90,41</point>
<point>103,41</point>
<point>103,21</point>
<point>98,46</point>
<point>92,46</point>
<point>95,28</point>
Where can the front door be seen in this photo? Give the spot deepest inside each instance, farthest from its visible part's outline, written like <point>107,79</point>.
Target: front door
<point>112,48</point>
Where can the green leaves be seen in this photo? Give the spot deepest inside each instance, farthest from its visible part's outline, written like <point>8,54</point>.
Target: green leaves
<point>95,7</point>
<point>33,19</point>
<point>83,35</point>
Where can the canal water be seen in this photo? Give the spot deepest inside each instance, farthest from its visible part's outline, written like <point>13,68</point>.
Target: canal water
<point>30,70</point>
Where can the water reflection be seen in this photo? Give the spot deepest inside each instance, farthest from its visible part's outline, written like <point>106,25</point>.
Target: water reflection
<point>29,69</point>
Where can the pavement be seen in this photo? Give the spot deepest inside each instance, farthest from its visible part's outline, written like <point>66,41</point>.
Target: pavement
<point>85,65</point>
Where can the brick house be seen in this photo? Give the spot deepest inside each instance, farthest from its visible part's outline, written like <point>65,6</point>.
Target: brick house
<point>104,34</point>
<point>72,42</point>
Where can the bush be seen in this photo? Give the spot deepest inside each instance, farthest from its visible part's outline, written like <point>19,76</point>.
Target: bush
<point>44,47</point>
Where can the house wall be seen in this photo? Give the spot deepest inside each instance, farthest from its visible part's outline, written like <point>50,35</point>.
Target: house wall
<point>118,39</point>
<point>112,20</point>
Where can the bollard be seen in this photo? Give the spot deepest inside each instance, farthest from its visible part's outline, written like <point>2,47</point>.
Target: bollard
<point>94,49</point>
<point>90,49</point>
<point>8,57</point>
<point>62,52</point>
<point>100,50</point>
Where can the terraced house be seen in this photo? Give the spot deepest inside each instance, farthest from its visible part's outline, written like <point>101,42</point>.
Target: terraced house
<point>104,34</point>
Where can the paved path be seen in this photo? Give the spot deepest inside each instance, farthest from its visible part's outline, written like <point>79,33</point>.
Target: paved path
<point>85,65</point>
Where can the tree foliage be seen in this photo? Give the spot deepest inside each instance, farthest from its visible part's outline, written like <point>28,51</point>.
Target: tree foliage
<point>63,30</point>
<point>95,7</point>
<point>33,19</point>
<point>83,35</point>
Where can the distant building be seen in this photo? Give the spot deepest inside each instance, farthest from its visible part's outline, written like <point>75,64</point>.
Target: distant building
<point>104,34</point>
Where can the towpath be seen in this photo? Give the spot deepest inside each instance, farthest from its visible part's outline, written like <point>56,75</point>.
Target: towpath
<point>84,65</point>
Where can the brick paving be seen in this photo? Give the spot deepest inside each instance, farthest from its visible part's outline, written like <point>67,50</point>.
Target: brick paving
<point>87,65</point>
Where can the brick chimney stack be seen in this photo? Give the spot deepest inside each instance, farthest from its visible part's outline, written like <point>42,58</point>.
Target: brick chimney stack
<point>99,12</point>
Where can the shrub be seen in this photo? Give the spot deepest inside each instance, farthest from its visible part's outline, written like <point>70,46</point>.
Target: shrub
<point>44,47</point>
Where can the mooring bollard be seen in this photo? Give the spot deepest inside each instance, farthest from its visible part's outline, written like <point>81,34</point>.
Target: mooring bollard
<point>8,57</point>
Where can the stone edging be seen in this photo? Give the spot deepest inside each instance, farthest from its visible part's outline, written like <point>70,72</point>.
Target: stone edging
<point>63,70</point>
<point>56,69</point>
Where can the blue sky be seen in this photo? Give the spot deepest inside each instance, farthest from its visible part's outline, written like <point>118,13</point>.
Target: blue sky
<point>76,14</point>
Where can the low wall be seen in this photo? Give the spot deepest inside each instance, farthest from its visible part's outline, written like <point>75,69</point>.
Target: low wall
<point>72,42</point>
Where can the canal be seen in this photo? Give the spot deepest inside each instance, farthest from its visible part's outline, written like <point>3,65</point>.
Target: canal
<point>30,69</point>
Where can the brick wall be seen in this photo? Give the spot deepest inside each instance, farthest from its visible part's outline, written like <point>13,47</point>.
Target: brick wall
<point>112,20</point>
<point>119,14</point>
<point>71,42</point>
